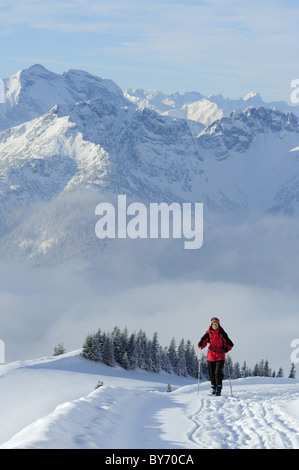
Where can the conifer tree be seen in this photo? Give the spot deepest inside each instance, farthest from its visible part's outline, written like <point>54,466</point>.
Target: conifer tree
<point>191,359</point>
<point>148,356</point>
<point>267,370</point>
<point>244,370</point>
<point>155,354</point>
<point>256,370</point>
<point>117,345</point>
<point>181,368</point>
<point>261,368</point>
<point>141,347</point>
<point>165,362</point>
<point>204,373</point>
<point>292,374</point>
<point>236,373</point>
<point>125,363</point>
<point>59,349</point>
<point>90,348</point>
<point>228,368</point>
<point>108,351</point>
<point>98,345</point>
<point>132,352</point>
<point>172,354</point>
<point>87,347</point>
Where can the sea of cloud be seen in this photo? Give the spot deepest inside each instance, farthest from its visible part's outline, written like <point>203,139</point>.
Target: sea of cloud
<point>245,273</point>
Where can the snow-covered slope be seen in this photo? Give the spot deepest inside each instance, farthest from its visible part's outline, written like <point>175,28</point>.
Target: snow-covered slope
<point>51,403</point>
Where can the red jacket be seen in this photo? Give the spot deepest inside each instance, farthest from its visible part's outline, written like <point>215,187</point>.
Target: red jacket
<point>219,344</point>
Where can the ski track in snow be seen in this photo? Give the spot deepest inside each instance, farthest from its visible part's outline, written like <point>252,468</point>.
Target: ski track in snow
<point>244,421</point>
<point>133,410</point>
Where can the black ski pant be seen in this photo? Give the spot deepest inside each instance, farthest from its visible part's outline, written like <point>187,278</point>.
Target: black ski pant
<point>215,369</point>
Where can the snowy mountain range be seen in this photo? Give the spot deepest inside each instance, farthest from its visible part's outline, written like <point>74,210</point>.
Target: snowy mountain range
<point>70,141</point>
<point>199,108</point>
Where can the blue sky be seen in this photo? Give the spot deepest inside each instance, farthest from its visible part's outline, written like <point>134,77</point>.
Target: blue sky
<point>214,46</point>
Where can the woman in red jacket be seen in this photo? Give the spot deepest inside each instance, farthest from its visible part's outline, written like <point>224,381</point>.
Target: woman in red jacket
<point>219,344</point>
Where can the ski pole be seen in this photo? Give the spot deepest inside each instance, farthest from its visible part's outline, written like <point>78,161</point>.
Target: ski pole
<point>199,371</point>
<point>229,376</point>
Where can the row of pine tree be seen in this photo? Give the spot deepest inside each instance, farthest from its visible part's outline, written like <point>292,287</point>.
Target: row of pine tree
<point>137,351</point>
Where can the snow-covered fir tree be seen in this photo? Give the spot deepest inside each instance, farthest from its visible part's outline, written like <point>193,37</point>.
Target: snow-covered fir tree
<point>245,371</point>
<point>165,361</point>
<point>132,352</point>
<point>292,374</point>
<point>236,374</point>
<point>108,351</point>
<point>141,349</point>
<point>155,354</point>
<point>120,346</point>
<point>256,370</point>
<point>228,368</point>
<point>191,359</point>
<point>181,368</point>
<point>204,373</point>
<point>172,354</point>
<point>59,349</point>
<point>88,349</point>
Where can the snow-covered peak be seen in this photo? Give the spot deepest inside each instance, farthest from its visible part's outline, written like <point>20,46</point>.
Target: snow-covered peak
<point>251,95</point>
<point>253,99</point>
<point>32,92</point>
<point>27,81</point>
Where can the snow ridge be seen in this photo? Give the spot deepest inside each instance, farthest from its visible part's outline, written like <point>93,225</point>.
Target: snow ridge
<point>132,410</point>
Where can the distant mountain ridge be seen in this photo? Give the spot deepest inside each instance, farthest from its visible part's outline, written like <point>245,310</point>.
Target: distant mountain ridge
<point>197,107</point>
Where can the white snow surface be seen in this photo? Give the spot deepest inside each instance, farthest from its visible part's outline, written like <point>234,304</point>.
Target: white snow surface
<point>52,403</point>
